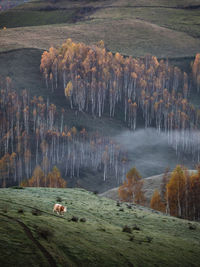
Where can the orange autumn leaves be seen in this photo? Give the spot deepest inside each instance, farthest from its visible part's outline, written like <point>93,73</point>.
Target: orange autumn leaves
<point>39,179</point>
<point>180,193</point>
<point>131,190</point>
<point>97,81</point>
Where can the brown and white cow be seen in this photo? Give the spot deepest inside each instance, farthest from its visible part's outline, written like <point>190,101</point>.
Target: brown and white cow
<point>60,209</point>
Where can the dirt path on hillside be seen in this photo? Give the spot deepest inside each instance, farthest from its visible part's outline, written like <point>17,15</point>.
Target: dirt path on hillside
<point>29,234</point>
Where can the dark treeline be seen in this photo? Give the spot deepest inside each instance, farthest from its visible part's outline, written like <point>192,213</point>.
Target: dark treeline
<point>32,133</point>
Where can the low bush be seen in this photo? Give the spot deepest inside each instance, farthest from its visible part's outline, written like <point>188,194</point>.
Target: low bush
<point>36,212</point>
<point>127,229</point>
<point>192,227</point>
<point>20,211</point>
<point>74,219</point>
<point>59,199</point>
<point>149,239</point>
<point>135,227</point>
<point>17,187</point>
<point>44,232</point>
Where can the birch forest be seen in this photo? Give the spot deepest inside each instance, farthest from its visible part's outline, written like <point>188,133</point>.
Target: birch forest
<point>33,135</point>
<point>147,89</point>
<point>180,194</point>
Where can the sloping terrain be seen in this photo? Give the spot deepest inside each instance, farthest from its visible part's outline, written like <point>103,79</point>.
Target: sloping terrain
<point>30,234</point>
<point>151,184</point>
<point>129,27</point>
<point>8,4</point>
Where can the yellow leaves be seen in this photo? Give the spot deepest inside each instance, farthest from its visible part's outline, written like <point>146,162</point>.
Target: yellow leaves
<point>131,190</point>
<point>155,61</point>
<point>74,131</point>
<point>134,75</point>
<point>143,83</point>
<point>156,106</point>
<point>53,179</point>
<point>68,89</point>
<point>100,44</point>
<point>40,99</point>
<point>119,57</point>
<point>44,146</point>
<point>156,202</point>
<point>196,66</point>
<point>94,69</point>
<point>69,134</point>
<point>34,112</point>
<point>134,106</point>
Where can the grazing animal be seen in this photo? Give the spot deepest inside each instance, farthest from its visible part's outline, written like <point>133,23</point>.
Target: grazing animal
<point>60,209</point>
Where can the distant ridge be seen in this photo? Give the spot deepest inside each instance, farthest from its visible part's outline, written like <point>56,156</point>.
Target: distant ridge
<point>150,184</point>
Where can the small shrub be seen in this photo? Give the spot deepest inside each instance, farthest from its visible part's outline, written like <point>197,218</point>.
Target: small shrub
<point>74,219</point>
<point>127,229</point>
<point>5,209</point>
<point>36,212</point>
<point>102,229</point>
<point>44,232</point>
<point>192,227</point>
<point>135,227</point>
<point>82,220</point>
<point>149,239</point>
<point>118,204</point>
<point>17,187</point>
<point>59,199</point>
<point>20,211</point>
<point>121,209</point>
<point>131,238</point>
<point>129,206</point>
<point>96,192</point>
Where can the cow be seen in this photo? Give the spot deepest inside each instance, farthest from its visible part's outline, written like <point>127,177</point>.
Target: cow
<point>60,209</point>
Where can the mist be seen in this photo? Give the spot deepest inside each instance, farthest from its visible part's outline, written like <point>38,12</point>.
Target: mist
<point>152,152</point>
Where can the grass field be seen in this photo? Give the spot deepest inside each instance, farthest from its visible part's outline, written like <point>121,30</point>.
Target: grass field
<point>159,241</point>
<point>131,27</point>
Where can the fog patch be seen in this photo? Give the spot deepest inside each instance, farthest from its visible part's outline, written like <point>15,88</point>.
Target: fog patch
<point>152,152</point>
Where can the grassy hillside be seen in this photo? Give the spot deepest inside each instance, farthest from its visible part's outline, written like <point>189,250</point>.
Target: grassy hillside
<point>7,4</point>
<point>151,184</point>
<point>130,27</point>
<point>29,236</point>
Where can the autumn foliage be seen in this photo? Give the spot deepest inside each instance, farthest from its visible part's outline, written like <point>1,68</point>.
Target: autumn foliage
<point>196,72</point>
<point>32,132</point>
<point>156,202</point>
<point>182,195</point>
<point>131,190</point>
<point>97,81</point>
<point>53,179</point>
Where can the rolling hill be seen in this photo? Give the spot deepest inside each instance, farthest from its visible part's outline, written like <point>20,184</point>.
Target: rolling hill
<point>129,27</point>
<point>30,234</point>
<point>150,185</point>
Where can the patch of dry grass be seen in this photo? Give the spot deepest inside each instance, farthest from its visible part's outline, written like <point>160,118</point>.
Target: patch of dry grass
<point>129,37</point>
